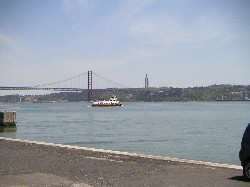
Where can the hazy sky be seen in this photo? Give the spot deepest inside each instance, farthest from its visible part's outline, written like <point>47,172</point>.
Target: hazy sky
<point>178,43</point>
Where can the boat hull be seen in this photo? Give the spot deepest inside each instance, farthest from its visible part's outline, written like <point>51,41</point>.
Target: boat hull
<point>106,105</point>
<point>107,102</point>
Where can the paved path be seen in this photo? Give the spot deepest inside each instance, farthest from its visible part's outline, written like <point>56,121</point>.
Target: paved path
<point>35,164</point>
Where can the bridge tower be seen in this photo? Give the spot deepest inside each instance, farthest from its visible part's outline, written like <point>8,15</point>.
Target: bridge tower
<point>146,97</point>
<point>146,81</point>
<point>90,85</point>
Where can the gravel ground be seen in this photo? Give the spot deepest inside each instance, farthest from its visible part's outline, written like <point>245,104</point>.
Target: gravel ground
<point>29,164</point>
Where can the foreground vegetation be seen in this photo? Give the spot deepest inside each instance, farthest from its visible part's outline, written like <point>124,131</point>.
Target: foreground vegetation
<point>164,94</point>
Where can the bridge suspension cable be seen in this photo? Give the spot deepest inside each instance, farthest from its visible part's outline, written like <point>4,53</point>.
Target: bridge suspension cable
<point>57,83</point>
<point>78,82</point>
<point>111,83</point>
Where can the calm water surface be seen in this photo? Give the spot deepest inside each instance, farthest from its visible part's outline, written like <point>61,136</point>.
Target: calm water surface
<point>196,130</point>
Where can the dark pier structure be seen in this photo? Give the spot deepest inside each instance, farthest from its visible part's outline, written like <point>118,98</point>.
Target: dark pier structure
<point>8,118</point>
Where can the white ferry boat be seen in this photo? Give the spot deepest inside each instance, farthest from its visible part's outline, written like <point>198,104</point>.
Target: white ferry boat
<point>112,101</point>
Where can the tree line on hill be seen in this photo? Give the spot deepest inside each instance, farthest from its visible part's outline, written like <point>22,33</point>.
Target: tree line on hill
<point>164,94</point>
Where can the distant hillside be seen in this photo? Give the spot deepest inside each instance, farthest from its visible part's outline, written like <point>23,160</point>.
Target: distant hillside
<point>164,94</point>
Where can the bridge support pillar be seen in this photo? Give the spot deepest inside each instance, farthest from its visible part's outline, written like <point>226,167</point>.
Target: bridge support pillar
<point>90,85</point>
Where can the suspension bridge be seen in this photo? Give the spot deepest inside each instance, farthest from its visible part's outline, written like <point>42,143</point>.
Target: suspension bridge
<point>87,81</point>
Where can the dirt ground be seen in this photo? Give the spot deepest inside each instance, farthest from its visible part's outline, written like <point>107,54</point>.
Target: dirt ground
<point>31,164</point>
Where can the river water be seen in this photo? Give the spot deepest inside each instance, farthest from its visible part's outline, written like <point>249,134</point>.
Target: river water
<point>206,131</point>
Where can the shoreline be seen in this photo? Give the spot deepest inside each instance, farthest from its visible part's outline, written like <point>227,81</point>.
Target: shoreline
<point>197,101</point>
<point>31,163</point>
